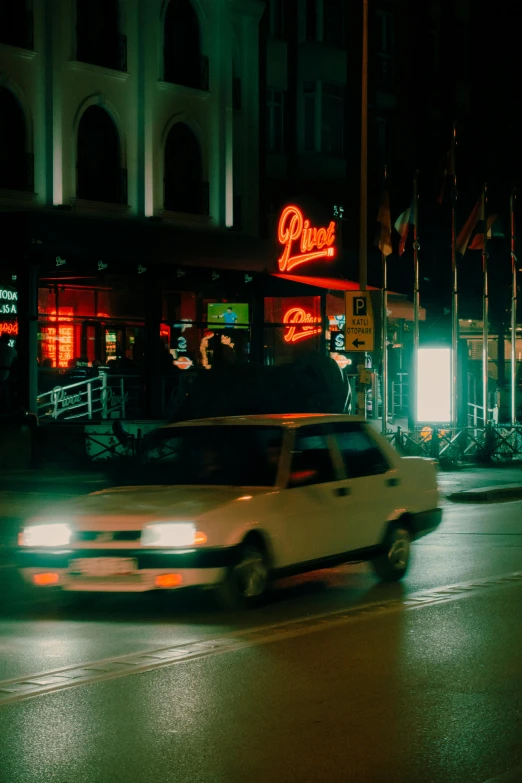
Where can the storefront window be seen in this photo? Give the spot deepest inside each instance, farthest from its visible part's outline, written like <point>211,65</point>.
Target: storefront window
<point>90,327</point>
<point>293,327</point>
<point>121,304</point>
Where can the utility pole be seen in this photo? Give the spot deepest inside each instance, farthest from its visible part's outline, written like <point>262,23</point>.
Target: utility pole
<point>363,227</point>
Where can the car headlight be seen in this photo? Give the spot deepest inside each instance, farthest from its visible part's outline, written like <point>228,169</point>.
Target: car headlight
<point>48,534</point>
<point>172,534</point>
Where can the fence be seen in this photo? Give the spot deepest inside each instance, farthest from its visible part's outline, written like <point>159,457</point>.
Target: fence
<point>102,397</point>
<point>496,443</point>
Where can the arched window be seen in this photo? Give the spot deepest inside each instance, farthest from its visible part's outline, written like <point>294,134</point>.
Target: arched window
<point>15,163</point>
<point>183,63</point>
<point>98,38</point>
<point>184,189</point>
<point>16,23</point>
<point>100,177</point>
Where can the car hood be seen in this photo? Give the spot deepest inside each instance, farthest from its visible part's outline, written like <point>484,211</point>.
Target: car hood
<point>144,503</point>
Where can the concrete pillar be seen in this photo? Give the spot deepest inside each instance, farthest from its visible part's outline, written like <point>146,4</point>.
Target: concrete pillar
<point>26,343</point>
<point>153,381</point>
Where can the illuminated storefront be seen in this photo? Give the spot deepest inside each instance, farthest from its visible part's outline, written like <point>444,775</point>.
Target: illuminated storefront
<point>126,315</point>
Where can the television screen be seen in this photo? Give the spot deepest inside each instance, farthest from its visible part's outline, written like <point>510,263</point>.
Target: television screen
<point>228,315</point>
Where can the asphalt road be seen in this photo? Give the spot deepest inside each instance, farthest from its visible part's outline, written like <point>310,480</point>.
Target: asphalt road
<point>336,679</point>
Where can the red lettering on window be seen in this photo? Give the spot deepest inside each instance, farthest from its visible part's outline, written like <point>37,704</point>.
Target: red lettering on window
<point>301,325</point>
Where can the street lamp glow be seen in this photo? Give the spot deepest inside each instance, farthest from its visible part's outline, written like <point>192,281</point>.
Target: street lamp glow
<point>433,385</point>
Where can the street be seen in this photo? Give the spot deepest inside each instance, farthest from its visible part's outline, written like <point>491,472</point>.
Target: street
<point>337,678</point>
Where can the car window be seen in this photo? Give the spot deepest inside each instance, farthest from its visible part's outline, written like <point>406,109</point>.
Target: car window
<point>361,455</point>
<point>222,454</point>
<point>311,458</point>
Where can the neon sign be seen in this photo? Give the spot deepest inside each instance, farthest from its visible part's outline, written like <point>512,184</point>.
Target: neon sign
<point>300,325</point>
<point>302,243</point>
<point>9,327</point>
<point>8,301</point>
<point>63,340</point>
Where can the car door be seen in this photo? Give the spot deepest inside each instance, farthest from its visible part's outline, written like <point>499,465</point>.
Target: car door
<point>372,484</point>
<point>310,507</point>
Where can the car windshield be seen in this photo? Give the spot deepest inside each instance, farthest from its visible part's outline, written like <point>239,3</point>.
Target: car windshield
<point>234,455</point>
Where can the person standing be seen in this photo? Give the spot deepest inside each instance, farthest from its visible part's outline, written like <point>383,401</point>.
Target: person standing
<point>7,356</point>
<point>229,317</point>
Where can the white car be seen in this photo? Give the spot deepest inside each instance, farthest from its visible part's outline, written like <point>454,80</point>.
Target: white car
<point>236,502</point>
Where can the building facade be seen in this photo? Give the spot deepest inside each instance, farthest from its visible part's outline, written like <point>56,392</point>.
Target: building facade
<point>129,159</point>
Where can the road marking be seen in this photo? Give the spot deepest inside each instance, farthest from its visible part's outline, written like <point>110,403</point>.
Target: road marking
<point>22,688</point>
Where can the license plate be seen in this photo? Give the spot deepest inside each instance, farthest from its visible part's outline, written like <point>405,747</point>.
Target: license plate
<point>103,566</point>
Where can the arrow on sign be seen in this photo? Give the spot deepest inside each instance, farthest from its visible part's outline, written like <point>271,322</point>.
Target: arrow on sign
<point>358,342</point>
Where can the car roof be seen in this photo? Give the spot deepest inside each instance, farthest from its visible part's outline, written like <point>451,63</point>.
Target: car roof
<point>269,419</point>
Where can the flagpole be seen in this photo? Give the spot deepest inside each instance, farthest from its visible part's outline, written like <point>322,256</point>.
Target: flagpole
<point>454,292</point>
<point>513,309</point>
<point>384,340</point>
<point>416,294</point>
<point>485,309</point>
<point>363,218</point>
<point>384,332</point>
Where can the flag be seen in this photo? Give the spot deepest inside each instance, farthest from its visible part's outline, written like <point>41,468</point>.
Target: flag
<point>383,239</point>
<point>402,226</point>
<point>468,228</point>
<point>477,243</point>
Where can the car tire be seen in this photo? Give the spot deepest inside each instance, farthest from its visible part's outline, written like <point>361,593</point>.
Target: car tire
<point>392,564</point>
<point>247,581</point>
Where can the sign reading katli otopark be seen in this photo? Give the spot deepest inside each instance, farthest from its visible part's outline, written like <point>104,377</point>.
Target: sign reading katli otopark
<point>359,330</point>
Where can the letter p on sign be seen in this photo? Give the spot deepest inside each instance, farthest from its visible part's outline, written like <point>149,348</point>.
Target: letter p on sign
<point>359,305</point>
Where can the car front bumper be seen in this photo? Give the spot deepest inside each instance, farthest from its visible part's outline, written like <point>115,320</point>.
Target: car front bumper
<point>194,568</point>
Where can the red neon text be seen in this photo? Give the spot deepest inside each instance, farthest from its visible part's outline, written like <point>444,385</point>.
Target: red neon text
<point>301,325</point>
<point>9,327</point>
<point>302,243</point>
<point>59,345</point>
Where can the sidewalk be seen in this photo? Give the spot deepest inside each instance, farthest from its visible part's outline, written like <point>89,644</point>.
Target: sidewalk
<point>481,484</point>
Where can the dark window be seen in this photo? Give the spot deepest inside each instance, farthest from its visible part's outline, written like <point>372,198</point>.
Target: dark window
<point>384,31</point>
<point>14,162</point>
<point>311,460</point>
<point>16,24</point>
<point>98,39</point>
<point>360,453</point>
<point>333,22</point>
<point>310,109</point>
<point>311,20</point>
<point>100,177</point>
<point>183,63</point>
<point>332,119</point>
<point>385,45</point>
<point>275,120</point>
<point>184,187</point>
<point>277,18</point>
<point>223,455</point>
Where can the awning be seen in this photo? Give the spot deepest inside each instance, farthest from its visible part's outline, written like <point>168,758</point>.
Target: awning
<point>399,305</point>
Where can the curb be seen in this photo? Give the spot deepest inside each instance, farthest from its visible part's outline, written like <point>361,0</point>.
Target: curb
<point>487,495</point>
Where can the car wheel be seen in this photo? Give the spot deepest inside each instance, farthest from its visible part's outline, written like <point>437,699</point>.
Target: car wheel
<point>247,581</point>
<point>393,562</point>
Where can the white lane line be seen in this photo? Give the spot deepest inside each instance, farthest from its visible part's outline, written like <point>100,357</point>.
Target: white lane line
<point>21,688</point>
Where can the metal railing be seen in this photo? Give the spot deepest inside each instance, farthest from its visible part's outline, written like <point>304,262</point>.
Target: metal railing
<point>101,397</point>
<point>494,443</point>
